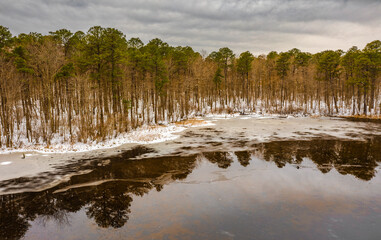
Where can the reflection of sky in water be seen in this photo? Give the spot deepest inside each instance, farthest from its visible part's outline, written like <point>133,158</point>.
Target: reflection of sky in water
<point>305,190</point>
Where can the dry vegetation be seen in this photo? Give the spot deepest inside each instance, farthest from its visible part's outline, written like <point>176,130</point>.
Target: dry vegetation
<point>191,122</point>
<point>92,86</point>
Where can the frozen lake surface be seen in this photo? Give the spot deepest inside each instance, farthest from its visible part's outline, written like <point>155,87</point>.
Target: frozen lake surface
<point>244,177</point>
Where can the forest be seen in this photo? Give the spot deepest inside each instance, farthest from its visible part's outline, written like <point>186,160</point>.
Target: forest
<point>93,86</point>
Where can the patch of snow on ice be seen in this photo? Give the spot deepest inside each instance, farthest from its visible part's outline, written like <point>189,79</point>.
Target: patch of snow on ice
<point>207,123</point>
<point>221,116</point>
<point>142,135</point>
<point>5,163</point>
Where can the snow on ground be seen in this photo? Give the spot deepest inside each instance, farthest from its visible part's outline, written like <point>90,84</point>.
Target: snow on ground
<point>147,134</point>
<point>142,135</point>
<point>221,116</point>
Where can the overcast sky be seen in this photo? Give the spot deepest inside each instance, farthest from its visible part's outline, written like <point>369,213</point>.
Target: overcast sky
<point>256,25</point>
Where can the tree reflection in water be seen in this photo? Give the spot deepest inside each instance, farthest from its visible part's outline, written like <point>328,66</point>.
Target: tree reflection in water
<point>222,159</point>
<point>110,206</point>
<point>358,158</point>
<point>243,157</point>
<point>108,202</point>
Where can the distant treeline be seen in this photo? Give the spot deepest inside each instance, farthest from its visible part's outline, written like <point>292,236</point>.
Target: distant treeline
<point>90,86</point>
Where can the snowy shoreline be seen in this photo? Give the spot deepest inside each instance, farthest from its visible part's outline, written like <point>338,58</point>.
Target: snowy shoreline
<point>148,134</point>
<point>143,135</point>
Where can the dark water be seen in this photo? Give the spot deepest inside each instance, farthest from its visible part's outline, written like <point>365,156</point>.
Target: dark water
<point>319,189</point>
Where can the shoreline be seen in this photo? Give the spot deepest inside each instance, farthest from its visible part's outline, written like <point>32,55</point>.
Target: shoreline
<point>147,134</point>
<point>363,118</point>
<point>150,134</point>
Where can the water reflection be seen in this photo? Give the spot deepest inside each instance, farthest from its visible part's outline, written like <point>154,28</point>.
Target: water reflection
<point>106,193</point>
<point>222,159</point>
<point>243,157</point>
<point>347,157</point>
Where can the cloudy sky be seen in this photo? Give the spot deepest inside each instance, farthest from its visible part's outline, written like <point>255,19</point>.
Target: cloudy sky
<point>256,25</point>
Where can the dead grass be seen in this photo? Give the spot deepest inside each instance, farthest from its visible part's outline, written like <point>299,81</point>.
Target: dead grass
<point>191,122</point>
<point>374,117</point>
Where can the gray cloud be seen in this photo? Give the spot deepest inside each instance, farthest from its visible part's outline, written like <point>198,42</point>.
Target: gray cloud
<point>256,25</point>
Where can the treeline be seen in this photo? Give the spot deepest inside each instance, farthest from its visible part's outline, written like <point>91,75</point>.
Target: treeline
<point>90,86</point>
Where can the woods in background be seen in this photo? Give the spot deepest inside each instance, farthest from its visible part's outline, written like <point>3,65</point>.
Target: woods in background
<point>82,87</point>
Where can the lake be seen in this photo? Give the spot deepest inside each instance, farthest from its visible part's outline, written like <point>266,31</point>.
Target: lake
<point>215,182</point>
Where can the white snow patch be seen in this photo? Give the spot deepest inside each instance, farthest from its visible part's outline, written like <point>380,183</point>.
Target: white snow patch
<point>142,135</point>
<point>208,123</point>
<point>221,116</point>
<point>5,163</point>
